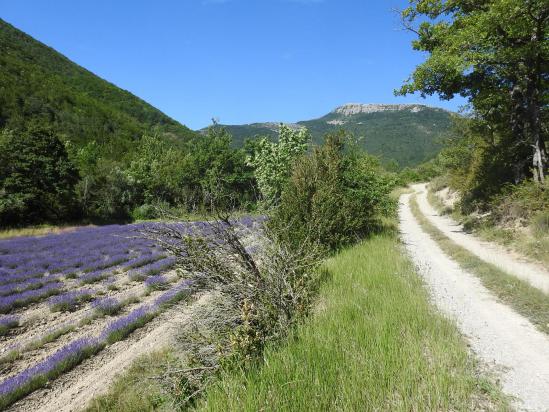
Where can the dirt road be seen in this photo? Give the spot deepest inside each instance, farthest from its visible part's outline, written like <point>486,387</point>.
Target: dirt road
<point>509,262</point>
<point>503,340</point>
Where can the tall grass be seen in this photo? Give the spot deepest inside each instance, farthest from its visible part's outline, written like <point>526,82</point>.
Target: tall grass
<point>35,231</point>
<point>374,343</point>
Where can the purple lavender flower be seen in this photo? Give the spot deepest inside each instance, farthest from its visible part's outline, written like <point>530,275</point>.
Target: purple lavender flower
<point>69,301</point>
<point>106,306</point>
<point>152,269</point>
<point>64,359</point>
<point>93,277</point>
<point>7,303</point>
<point>123,326</point>
<point>8,322</point>
<point>173,294</point>
<point>156,282</point>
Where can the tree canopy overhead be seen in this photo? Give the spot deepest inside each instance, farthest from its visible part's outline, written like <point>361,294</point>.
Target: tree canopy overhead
<point>495,53</point>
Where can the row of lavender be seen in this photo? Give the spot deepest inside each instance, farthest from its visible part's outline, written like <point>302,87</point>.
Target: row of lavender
<point>87,249</point>
<point>18,257</point>
<point>36,267</point>
<point>64,359</point>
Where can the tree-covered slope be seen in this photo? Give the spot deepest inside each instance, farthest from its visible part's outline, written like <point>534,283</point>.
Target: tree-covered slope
<point>39,85</point>
<point>409,134</point>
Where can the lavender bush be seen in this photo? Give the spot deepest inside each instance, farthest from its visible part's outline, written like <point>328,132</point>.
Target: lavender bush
<point>125,325</point>
<point>8,322</point>
<point>106,306</point>
<point>156,282</point>
<point>17,386</point>
<point>152,269</point>
<point>8,303</point>
<point>69,301</point>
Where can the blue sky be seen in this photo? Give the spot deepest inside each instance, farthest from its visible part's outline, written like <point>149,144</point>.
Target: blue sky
<point>239,61</point>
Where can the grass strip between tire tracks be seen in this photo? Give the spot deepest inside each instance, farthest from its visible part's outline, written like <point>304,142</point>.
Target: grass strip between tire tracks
<point>517,293</point>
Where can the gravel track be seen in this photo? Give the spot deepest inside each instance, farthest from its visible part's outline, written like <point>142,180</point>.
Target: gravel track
<point>503,340</point>
<point>510,262</point>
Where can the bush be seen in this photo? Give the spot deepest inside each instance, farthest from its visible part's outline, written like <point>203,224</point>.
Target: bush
<point>108,195</point>
<point>421,173</point>
<point>273,162</point>
<point>520,202</point>
<point>540,224</point>
<point>150,211</point>
<point>259,297</point>
<point>333,197</point>
<point>439,183</point>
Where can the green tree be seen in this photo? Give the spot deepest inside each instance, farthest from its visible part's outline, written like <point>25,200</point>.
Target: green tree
<point>333,197</point>
<point>155,170</point>
<point>273,162</point>
<point>220,172</point>
<point>37,179</point>
<point>496,54</point>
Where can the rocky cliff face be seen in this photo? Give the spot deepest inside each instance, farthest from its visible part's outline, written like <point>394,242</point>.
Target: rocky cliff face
<point>351,109</point>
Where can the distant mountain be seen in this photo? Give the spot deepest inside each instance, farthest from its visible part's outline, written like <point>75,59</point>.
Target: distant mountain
<point>38,84</point>
<point>407,133</point>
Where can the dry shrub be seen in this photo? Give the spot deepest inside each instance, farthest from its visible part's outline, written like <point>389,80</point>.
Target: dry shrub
<point>259,296</point>
<point>520,202</point>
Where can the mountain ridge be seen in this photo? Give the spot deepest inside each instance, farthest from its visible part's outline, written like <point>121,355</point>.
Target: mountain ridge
<point>406,133</point>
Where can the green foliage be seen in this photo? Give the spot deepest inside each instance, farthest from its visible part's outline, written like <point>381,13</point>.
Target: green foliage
<point>107,195</point>
<point>37,179</point>
<point>520,202</point>
<point>217,175</point>
<point>373,334</point>
<point>421,173</point>
<point>479,162</point>
<point>333,197</point>
<point>128,154</point>
<point>540,224</point>
<point>155,171</point>
<point>438,183</point>
<point>273,162</point>
<point>495,53</point>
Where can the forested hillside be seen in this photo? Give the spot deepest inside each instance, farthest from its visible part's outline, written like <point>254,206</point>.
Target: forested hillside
<point>408,134</point>
<point>40,85</point>
<point>76,148</point>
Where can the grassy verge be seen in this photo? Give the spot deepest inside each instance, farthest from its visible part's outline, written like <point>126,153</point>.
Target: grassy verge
<point>374,343</point>
<point>525,299</point>
<point>523,241</point>
<point>437,203</point>
<point>526,241</point>
<point>35,231</point>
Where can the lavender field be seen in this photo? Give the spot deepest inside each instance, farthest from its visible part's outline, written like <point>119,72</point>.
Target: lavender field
<point>65,297</point>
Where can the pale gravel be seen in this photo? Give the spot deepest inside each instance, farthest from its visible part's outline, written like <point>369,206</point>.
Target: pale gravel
<point>499,337</point>
<point>511,263</point>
